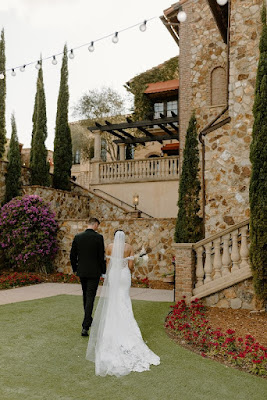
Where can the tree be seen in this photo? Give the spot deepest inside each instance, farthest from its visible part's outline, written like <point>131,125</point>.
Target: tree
<point>13,176</point>
<point>38,160</point>
<point>189,226</point>
<point>97,105</point>
<point>62,142</point>
<point>2,95</point>
<point>258,182</point>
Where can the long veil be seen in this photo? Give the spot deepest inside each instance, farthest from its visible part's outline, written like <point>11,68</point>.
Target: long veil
<point>104,322</point>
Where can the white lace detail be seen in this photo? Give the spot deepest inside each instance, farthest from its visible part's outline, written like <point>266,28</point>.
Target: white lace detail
<point>116,344</point>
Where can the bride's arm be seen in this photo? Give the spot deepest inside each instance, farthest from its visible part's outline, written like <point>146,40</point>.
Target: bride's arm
<point>131,262</point>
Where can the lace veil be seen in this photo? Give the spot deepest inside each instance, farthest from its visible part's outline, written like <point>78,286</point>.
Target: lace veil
<point>108,304</point>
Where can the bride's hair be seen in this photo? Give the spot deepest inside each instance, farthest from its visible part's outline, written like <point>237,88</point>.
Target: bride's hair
<point>118,230</point>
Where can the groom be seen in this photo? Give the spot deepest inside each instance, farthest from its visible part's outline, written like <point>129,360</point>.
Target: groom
<point>87,258</point>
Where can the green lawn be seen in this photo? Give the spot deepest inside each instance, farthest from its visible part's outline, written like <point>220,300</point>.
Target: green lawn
<point>42,356</point>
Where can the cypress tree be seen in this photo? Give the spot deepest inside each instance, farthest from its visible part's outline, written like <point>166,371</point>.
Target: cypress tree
<point>38,163</point>
<point>2,95</point>
<point>62,142</point>
<point>189,226</point>
<point>258,182</point>
<point>13,176</point>
<point>34,115</point>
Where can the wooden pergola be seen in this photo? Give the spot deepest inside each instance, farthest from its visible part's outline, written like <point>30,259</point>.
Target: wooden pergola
<point>169,125</point>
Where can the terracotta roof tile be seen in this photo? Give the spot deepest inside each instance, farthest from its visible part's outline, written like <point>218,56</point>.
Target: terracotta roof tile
<point>166,86</point>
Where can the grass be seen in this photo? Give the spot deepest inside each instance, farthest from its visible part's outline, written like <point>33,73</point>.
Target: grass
<point>42,356</point>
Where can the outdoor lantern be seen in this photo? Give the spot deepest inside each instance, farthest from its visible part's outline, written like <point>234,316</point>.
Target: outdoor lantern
<point>2,76</point>
<point>38,65</point>
<point>135,200</point>
<point>71,55</point>
<point>221,2</point>
<point>13,73</point>
<point>181,16</point>
<point>54,61</point>
<point>22,68</point>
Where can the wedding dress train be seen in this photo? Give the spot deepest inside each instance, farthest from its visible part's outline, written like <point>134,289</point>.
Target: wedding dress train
<point>116,344</point>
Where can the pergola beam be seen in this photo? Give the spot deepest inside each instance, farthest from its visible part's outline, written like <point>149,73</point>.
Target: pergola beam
<point>145,139</point>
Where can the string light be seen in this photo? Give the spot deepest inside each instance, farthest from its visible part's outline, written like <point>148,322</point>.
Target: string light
<point>115,38</point>
<point>91,47</point>
<point>71,55</point>
<point>222,2</point>
<point>142,27</point>
<point>181,16</point>
<point>2,76</point>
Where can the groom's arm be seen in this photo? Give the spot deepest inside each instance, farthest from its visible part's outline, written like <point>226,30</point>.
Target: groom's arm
<point>74,256</point>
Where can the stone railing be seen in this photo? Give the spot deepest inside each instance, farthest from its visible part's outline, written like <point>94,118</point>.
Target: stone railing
<point>222,260</point>
<point>149,169</point>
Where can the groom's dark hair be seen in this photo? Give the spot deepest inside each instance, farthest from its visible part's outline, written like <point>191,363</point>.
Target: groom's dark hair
<point>93,221</point>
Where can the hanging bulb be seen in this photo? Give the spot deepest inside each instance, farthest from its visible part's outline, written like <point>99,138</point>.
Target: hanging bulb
<point>142,27</point>
<point>91,47</point>
<point>115,38</point>
<point>54,61</point>
<point>181,16</point>
<point>13,73</point>
<point>22,68</point>
<point>221,2</point>
<point>2,76</point>
<point>71,55</point>
<point>38,65</point>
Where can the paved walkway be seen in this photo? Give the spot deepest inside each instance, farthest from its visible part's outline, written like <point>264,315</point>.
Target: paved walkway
<point>43,290</point>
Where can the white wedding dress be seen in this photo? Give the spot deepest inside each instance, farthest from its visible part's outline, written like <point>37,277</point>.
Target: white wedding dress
<point>115,344</point>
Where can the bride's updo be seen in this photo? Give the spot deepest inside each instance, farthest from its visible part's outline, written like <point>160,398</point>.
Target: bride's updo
<point>118,230</point>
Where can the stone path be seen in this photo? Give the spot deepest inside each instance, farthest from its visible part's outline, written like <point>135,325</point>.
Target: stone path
<point>43,290</point>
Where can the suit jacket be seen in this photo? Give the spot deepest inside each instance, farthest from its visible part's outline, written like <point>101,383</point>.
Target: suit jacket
<point>87,254</point>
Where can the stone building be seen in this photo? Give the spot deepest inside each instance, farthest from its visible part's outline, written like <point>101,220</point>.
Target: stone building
<point>217,71</point>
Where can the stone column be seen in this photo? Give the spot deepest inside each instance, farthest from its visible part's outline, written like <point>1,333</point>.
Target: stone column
<point>97,147</point>
<point>184,270</point>
<point>122,151</point>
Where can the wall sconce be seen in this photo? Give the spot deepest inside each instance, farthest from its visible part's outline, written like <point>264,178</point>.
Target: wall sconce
<point>135,200</point>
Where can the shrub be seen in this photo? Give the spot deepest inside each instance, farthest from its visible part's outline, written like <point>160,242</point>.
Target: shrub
<point>28,234</point>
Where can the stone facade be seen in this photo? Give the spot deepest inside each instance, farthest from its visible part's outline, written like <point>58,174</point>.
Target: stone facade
<point>237,296</point>
<point>154,236</point>
<point>227,165</point>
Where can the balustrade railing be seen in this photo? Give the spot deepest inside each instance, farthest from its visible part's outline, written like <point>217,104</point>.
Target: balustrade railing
<point>148,169</point>
<point>222,258</point>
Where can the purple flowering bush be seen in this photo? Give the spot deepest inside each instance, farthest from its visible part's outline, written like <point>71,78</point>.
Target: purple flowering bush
<point>28,234</point>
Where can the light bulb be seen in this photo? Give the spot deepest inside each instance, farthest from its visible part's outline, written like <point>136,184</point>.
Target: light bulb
<point>91,47</point>
<point>115,38</point>
<point>13,73</point>
<point>142,27</point>
<point>22,68</point>
<point>38,65</point>
<point>181,16</point>
<point>54,61</point>
<point>71,55</point>
<point>221,2</point>
<point>2,76</point>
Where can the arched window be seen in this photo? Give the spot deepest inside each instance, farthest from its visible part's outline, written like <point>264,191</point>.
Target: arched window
<point>218,92</point>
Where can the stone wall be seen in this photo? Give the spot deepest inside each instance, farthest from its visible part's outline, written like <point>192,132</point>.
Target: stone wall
<point>241,295</point>
<point>153,235</point>
<point>227,169</point>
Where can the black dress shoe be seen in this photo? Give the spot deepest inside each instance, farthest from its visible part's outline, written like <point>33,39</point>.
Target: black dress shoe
<point>84,332</point>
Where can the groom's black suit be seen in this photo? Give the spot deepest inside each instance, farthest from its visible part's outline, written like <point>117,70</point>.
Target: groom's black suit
<point>88,260</point>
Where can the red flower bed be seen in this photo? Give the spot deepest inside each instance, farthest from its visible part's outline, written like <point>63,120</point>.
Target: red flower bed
<point>16,279</point>
<point>188,324</point>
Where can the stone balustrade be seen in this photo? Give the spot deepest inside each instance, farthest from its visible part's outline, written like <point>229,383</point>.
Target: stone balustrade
<point>222,260</point>
<point>149,169</point>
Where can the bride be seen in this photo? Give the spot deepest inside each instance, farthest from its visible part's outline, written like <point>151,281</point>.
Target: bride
<point>115,344</point>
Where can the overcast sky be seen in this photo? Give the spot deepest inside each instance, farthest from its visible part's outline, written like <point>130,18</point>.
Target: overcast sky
<point>34,27</point>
